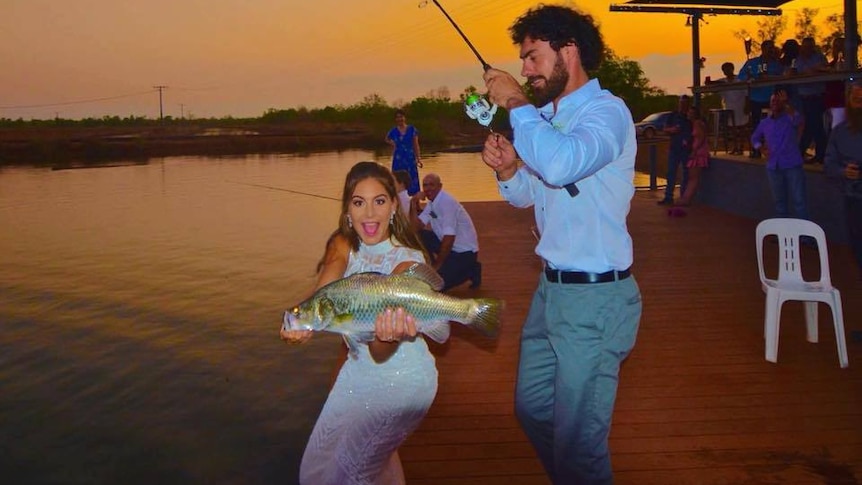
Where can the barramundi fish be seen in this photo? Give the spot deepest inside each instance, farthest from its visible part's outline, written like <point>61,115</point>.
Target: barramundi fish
<point>350,306</point>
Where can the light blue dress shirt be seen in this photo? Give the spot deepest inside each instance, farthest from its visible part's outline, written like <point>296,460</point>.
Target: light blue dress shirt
<point>590,141</point>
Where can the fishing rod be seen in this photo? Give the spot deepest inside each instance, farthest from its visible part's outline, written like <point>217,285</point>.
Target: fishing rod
<point>485,65</point>
<point>475,104</point>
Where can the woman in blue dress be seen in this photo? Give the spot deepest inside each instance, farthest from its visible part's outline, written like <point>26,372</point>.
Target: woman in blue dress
<point>404,139</point>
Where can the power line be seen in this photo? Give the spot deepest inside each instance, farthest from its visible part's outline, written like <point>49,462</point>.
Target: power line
<point>81,101</point>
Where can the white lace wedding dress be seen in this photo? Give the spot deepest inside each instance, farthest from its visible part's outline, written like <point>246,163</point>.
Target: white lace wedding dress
<point>372,407</point>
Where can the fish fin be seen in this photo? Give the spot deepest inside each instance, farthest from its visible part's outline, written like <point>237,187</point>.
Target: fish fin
<point>426,273</point>
<point>352,344</point>
<point>354,340</point>
<point>438,331</point>
<point>342,319</point>
<point>486,319</point>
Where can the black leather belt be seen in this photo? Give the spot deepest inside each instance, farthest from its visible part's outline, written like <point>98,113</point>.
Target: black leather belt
<point>581,278</point>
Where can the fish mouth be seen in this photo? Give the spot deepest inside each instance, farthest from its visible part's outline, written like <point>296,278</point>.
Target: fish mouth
<point>288,321</point>
<point>292,322</point>
<point>370,228</point>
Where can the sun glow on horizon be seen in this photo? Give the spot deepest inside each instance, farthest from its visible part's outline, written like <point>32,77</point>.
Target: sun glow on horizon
<point>236,58</point>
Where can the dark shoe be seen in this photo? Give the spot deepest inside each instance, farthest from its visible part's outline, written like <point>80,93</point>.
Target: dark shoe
<point>665,202</point>
<point>476,275</point>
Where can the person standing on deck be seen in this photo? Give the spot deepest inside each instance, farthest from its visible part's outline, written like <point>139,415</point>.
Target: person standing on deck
<point>764,66</point>
<point>843,162</point>
<point>384,390</point>
<point>404,140</point>
<point>577,143</point>
<point>778,135</point>
<point>811,96</point>
<point>734,100</point>
<point>679,150</point>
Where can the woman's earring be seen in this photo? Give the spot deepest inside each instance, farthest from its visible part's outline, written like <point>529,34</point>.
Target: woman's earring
<point>349,221</point>
<point>392,218</point>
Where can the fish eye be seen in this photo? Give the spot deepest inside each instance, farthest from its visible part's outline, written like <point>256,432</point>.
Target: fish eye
<point>295,311</point>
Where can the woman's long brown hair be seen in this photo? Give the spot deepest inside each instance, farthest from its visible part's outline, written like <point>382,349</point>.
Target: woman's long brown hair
<point>399,229</point>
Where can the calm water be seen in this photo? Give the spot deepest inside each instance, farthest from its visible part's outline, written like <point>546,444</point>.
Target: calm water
<point>139,310</point>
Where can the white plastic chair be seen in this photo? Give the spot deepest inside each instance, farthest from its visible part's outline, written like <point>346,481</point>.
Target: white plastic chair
<point>791,286</point>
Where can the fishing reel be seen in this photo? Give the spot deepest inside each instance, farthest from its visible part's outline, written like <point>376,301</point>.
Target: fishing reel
<point>479,109</point>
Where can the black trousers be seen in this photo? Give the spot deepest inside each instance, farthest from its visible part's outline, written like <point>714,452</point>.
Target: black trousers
<point>457,268</point>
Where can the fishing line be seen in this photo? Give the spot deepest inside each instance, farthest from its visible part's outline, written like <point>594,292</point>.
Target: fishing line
<point>270,187</point>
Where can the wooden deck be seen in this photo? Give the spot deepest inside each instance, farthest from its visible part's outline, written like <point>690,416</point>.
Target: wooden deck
<point>697,404</point>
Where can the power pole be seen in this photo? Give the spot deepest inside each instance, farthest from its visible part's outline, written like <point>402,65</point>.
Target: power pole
<point>161,111</point>
<point>182,111</point>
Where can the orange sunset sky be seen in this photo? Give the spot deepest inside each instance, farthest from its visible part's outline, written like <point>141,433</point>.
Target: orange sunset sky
<point>91,58</point>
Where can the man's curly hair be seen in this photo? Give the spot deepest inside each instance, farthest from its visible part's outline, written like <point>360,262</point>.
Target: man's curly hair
<point>560,26</point>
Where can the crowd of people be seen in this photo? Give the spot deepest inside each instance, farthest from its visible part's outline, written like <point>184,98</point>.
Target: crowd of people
<point>820,103</point>
<point>787,123</point>
<point>572,159</point>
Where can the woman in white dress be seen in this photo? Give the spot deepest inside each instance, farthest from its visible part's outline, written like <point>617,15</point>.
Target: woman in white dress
<point>381,394</point>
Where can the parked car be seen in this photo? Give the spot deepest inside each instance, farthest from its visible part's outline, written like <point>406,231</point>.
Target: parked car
<point>652,124</point>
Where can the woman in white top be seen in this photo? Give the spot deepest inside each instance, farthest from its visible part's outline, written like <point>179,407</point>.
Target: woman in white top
<point>381,394</point>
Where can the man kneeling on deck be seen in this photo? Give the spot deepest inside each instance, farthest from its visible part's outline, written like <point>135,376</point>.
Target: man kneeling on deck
<point>448,233</point>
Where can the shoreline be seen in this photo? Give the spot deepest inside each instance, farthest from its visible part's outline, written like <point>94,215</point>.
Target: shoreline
<point>98,145</point>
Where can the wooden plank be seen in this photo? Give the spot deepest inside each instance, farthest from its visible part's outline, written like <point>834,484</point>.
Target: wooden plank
<point>698,403</point>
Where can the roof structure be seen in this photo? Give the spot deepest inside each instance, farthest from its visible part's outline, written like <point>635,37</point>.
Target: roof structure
<point>711,7</point>
<point>717,3</point>
<point>696,9</point>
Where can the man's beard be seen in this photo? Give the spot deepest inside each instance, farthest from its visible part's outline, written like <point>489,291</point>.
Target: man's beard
<point>854,119</point>
<point>554,86</point>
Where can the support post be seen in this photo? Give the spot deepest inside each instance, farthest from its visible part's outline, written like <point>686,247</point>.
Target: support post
<point>695,55</point>
<point>851,39</point>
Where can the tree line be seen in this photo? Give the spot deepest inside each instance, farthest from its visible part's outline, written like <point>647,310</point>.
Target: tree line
<point>430,112</point>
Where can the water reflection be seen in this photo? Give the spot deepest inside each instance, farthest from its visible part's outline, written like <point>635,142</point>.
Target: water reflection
<point>140,304</point>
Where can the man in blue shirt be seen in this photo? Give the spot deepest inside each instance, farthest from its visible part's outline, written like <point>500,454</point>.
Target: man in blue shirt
<point>843,161</point>
<point>761,67</point>
<point>577,144</point>
<point>679,128</point>
<point>778,135</point>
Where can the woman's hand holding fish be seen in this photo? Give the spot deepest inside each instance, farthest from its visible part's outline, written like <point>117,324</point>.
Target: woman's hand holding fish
<point>295,336</point>
<point>394,325</point>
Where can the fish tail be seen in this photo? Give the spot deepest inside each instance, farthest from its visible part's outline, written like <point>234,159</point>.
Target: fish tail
<point>486,316</point>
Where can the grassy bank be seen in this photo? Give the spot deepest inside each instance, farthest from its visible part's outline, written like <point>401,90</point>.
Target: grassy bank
<point>52,145</point>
